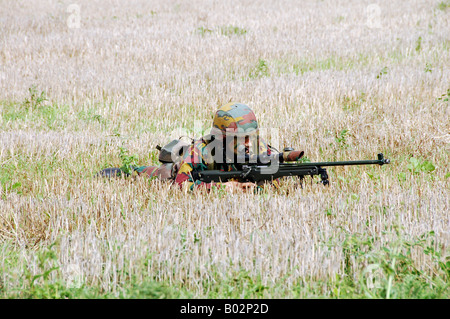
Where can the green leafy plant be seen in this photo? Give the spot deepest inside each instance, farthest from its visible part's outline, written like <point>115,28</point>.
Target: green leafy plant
<point>260,70</point>
<point>232,30</point>
<point>341,139</point>
<point>401,176</point>
<point>419,44</point>
<point>443,5</point>
<point>43,285</point>
<point>382,72</point>
<point>416,166</point>
<point>304,159</point>
<point>36,99</point>
<point>444,97</point>
<point>390,270</point>
<point>395,273</point>
<point>128,161</point>
<point>203,31</point>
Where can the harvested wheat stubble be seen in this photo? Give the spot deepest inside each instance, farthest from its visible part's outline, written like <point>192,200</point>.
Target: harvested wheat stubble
<point>339,80</point>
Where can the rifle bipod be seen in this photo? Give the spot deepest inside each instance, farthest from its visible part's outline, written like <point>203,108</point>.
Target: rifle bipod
<point>323,176</point>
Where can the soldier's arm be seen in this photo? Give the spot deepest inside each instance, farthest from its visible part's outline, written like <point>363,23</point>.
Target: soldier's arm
<point>185,176</point>
<point>192,163</point>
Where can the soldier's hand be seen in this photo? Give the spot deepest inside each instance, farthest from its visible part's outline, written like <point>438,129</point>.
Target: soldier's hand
<point>237,186</point>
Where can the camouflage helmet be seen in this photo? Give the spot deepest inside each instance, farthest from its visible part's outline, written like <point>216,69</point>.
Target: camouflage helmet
<point>235,118</point>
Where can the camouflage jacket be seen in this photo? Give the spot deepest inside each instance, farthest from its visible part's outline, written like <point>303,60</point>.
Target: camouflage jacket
<point>196,159</point>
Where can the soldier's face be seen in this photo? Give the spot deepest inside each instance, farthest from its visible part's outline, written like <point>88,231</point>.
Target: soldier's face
<point>241,145</point>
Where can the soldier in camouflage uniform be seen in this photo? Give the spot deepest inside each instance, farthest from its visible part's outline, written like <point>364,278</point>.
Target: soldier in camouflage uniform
<point>235,131</point>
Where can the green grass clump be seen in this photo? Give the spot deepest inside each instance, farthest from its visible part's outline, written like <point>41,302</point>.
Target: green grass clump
<point>232,30</point>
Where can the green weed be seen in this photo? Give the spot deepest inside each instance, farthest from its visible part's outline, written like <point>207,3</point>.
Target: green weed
<point>382,72</point>
<point>419,44</point>
<point>416,166</point>
<point>240,284</point>
<point>341,139</point>
<point>389,271</point>
<point>203,31</point>
<point>260,70</point>
<point>35,100</point>
<point>128,161</point>
<point>12,111</point>
<point>33,112</point>
<point>443,5</point>
<point>304,159</point>
<point>444,97</point>
<point>232,30</point>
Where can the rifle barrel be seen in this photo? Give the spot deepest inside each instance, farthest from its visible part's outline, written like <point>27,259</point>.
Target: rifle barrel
<point>380,161</point>
<point>339,163</point>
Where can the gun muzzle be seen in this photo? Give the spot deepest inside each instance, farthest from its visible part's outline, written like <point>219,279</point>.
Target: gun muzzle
<point>382,159</point>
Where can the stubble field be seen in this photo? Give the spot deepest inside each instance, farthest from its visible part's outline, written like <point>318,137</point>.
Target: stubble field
<point>86,85</point>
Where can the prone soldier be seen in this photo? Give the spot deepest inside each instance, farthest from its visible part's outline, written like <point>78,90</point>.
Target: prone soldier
<point>233,137</point>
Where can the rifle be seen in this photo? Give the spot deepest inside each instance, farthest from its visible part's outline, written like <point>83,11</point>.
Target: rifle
<point>255,172</point>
